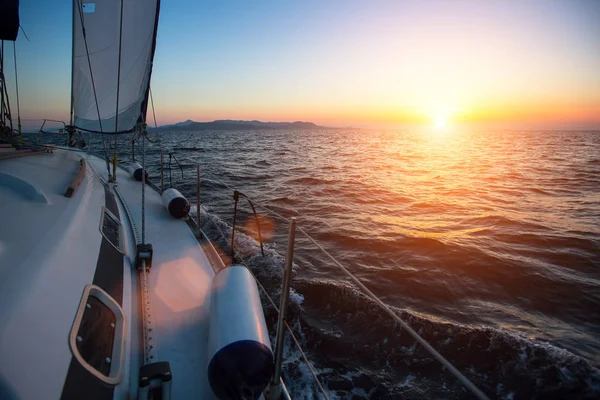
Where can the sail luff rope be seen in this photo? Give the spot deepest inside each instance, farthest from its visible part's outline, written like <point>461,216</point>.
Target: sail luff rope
<point>87,52</point>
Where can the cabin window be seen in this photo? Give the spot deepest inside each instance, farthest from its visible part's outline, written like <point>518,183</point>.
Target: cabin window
<point>110,227</point>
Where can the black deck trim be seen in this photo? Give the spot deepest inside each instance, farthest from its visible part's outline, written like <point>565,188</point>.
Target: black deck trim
<point>79,383</point>
<point>109,269</point>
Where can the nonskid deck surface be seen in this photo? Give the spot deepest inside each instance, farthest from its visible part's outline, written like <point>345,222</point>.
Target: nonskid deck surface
<point>50,248</point>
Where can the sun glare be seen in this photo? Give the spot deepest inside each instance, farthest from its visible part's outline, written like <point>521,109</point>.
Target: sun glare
<point>441,116</point>
<point>440,122</point>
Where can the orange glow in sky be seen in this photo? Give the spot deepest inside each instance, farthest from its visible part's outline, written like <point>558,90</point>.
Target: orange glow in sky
<point>523,64</point>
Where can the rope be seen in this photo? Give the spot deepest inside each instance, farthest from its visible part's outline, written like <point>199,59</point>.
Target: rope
<point>24,33</point>
<point>152,102</point>
<point>87,52</point>
<point>17,87</point>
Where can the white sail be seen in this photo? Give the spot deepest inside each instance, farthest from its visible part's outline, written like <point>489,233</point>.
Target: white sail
<point>97,66</point>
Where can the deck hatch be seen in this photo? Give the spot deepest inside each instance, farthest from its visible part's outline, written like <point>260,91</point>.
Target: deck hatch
<point>97,337</point>
<point>110,227</point>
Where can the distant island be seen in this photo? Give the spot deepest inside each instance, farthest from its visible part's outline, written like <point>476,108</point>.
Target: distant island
<point>233,125</point>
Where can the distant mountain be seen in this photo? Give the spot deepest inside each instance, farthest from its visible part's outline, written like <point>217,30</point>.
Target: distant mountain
<point>233,125</point>
<point>177,125</point>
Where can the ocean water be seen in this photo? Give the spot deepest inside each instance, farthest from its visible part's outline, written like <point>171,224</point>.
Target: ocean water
<point>486,243</point>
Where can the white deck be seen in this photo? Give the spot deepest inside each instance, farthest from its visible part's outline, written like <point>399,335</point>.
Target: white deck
<point>179,285</point>
<point>48,253</point>
<point>49,247</point>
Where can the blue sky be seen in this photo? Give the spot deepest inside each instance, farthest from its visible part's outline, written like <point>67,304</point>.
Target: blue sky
<point>361,63</point>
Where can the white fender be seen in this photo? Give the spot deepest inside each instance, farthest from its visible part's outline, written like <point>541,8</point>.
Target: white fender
<point>240,358</point>
<point>175,203</point>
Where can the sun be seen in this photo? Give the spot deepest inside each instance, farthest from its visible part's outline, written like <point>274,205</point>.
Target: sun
<point>441,117</point>
<point>441,121</point>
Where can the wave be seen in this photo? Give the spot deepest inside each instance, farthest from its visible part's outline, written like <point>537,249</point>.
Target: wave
<point>356,332</point>
<point>263,163</point>
<point>283,200</point>
<point>198,149</point>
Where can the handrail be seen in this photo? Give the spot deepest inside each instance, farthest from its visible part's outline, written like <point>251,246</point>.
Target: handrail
<point>37,140</point>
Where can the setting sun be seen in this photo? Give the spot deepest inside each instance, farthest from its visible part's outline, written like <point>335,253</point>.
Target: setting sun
<point>440,122</point>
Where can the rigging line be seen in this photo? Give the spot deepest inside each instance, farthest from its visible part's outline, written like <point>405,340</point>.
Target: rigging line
<point>152,102</point>
<point>72,105</point>
<point>154,117</point>
<point>24,33</point>
<point>453,370</point>
<point>17,87</point>
<point>87,52</point>
<point>118,92</point>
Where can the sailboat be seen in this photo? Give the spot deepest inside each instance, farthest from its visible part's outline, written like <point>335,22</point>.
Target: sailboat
<point>105,292</point>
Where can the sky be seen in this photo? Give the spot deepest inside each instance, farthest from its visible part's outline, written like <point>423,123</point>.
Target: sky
<point>527,64</point>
